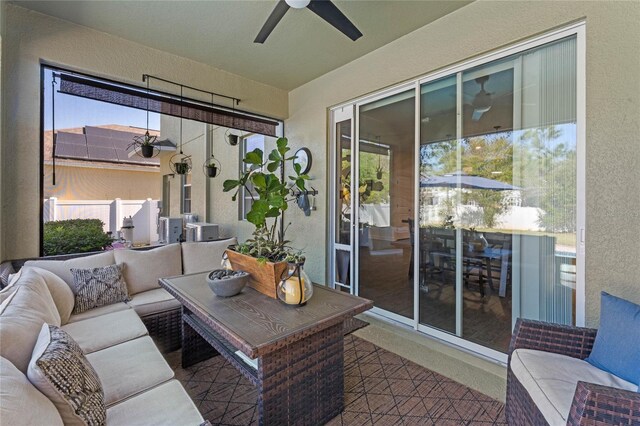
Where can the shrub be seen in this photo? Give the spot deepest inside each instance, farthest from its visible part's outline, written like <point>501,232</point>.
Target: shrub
<point>74,236</point>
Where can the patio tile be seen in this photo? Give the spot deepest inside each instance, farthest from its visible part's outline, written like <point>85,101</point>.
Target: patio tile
<point>381,388</point>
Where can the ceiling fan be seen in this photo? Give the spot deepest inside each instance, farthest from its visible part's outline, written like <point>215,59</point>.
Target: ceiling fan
<point>323,8</point>
<point>482,101</point>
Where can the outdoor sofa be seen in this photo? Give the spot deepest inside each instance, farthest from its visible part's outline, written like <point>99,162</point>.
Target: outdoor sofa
<point>120,341</point>
<point>548,381</point>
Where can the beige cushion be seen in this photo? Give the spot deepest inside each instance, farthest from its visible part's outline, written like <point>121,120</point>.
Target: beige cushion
<point>21,318</point>
<point>551,380</point>
<point>153,301</point>
<point>62,268</point>
<point>103,310</point>
<point>21,404</point>
<point>129,368</point>
<point>144,268</point>
<point>59,369</point>
<point>167,404</point>
<point>60,292</point>
<point>101,332</point>
<point>6,292</point>
<point>206,256</point>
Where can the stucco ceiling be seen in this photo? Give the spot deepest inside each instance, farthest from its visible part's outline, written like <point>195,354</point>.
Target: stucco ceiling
<point>221,33</point>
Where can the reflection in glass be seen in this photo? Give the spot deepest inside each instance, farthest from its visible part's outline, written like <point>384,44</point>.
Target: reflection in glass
<point>500,179</point>
<point>385,202</point>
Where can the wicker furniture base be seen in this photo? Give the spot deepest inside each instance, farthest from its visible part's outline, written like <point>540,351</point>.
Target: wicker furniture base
<point>165,328</point>
<point>298,352</point>
<point>300,383</point>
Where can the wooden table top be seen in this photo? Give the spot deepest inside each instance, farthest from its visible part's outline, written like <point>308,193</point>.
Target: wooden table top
<point>257,324</point>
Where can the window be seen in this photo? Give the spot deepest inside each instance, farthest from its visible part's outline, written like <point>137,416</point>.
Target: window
<point>185,206</point>
<point>91,170</point>
<point>246,197</point>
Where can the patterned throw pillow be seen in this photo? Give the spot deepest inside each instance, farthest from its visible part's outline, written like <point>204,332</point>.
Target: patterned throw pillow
<point>98,287</point>
<point>59,369</point>
<point>5,270</point>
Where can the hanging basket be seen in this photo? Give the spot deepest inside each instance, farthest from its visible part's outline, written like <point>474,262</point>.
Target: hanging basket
<point>211,167</point>
<point>144,145</point>
<point>180,164</point>
<point>231,138</point>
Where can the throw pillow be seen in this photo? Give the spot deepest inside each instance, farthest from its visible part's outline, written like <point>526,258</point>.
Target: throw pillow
<point>143,268</point>
<point>5,271</point>
<point>98,287</point>
<point>617,345</point>
<point>59,369</point>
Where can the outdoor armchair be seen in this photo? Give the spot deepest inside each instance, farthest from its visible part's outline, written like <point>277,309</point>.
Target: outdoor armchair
<point>592,404</point>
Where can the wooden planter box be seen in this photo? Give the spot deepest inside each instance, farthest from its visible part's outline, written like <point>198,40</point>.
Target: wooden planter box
<point>264,277</point>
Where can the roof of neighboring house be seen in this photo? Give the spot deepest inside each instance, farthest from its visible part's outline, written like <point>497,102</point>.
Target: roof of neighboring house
<point>98,145</point>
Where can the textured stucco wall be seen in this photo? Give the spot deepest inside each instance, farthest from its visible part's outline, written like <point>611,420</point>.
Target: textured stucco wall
<point>613,117</point>
<point>30,38</point>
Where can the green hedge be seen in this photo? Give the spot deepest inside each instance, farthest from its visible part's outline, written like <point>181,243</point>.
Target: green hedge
<point>74,236</point>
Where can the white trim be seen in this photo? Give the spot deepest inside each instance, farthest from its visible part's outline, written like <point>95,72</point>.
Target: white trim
<point>581,172</point>
<point>355,216</point>
<point>416,212</point>
<point>337,116</point>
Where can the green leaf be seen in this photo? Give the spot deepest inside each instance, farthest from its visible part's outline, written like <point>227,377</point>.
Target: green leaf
<point>230,184</point>
<point>272,167</point>
<point>273,212</point>
<point>297,167</point>
<point>282,143</point>
<point>259,180</point>
<point>276,200</point>
<point>300,183</point>
<point>275,156</point>
<point>261,206</point>
<point>254,157</point>
<point>255,217</point>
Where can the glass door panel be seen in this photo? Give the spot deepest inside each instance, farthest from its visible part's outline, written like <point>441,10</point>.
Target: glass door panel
<point>498,195</point>
<point>438,203</point>
<point>385,197</point>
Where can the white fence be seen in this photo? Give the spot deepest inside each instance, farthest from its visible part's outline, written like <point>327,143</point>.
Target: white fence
<point>111,213</point>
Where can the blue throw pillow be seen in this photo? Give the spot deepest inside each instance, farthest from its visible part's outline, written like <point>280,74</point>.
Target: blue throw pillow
<point>617,345</point>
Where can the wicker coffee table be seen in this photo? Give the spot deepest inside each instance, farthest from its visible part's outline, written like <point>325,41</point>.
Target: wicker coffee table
<point>299,350</point>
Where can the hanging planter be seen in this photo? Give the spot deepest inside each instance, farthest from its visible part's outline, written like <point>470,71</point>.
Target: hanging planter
<point>144,145</point>
<point>212,167</point>
<point>180,164</point>
<point>231,138</point>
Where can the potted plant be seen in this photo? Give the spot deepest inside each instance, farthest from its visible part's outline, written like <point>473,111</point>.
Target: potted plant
<point>265,254</point>
<point>212,167</point>
<point>144,144</point>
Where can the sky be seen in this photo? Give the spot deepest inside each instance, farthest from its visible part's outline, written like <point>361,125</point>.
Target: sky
<point>73,111</point>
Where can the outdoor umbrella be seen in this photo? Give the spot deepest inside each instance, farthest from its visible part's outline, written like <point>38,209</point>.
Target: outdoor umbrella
<point>450,180</point>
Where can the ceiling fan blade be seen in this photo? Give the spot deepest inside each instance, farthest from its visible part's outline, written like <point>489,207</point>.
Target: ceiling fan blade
<point>330,13</point>
<point>273,19</point>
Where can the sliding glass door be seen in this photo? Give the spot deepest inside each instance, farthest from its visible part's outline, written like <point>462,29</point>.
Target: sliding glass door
<point>385,196</point>
<point>464,195</point>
